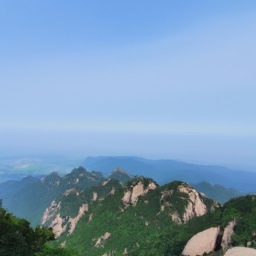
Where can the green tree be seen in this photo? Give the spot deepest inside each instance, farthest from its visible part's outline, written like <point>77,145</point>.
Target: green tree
<point>17,238</point>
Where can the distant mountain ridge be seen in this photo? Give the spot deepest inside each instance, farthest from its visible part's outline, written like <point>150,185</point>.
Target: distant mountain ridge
<point>217,192</point>
<point>29,197</point>
<point>121,175</point>
<point>38,194</point>
<point>10,187</point>
<point>30,201</point>
<point>164,171</point>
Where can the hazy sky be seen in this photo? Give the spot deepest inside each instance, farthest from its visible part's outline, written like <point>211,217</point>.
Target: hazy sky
<point>159,79</point>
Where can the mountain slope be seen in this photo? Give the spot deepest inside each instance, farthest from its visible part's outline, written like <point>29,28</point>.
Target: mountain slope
<point>31,201</point>
<point>127,216</point>
<point>143,218</point>
<point>121,175</point>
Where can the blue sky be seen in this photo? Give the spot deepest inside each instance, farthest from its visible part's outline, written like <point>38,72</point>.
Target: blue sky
<point>160,79</point>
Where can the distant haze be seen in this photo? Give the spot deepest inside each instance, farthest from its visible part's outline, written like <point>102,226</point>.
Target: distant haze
<point>169,79</point>
<point>237,152</point>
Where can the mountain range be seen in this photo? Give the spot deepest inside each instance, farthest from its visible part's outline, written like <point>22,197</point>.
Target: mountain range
<point>118,213</point>
<point>164,171</point>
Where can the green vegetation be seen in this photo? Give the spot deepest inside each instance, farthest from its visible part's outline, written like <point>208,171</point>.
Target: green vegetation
<point>145,228</point>
<point>152,224</point>
<point>17,238</point>
<point>39,195</point>
<point>172,240</point>
<point>70,204</point>
<point>121,175</point>
<point>243,209</point>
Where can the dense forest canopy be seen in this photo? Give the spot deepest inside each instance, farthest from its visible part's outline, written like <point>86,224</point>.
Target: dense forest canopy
<point>17,238</point>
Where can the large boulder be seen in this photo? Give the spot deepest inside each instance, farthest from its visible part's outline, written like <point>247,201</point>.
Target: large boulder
<point>203,242</point>
<point>240,251</point>
<point>228,232</point>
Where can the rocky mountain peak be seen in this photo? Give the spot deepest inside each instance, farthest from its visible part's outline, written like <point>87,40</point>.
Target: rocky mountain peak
<point>121,175</point>
<point>196,206</point>
<point>120,170</point>
<point>189,203</point>
<point>53,179</point>
<point>138,187</point>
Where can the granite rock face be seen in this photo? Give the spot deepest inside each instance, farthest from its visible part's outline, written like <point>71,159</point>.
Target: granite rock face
<point>203,242</point>
<point>228,232</point>
<point>196,206</point>
<point>240,251</point>
<point>131,195</point>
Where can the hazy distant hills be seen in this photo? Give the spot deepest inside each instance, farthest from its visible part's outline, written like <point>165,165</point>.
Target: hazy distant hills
<point>16,168</point>
<point>121,175</point>
<point>30,201</point>
<point>217,192</point>
<point>164,171</point>
<point>29,197</point>
<point>11,187</point>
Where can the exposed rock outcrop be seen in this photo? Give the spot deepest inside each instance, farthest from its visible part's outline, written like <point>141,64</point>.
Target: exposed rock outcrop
<point>105,182</point>
<point>112,192</point>
<point>209,240</point>
<point>131,196</point>
<point>138,190</point>
<point>57,222</point>
<point>102,239</point>
<point>166,193</point>
<point>57,226</point>
<point>50,213</point>
<point>195,206</point>
<point>73,221</point>
<point>203,242</point>
<point>69,191</point>
<point>121,175</point>
<point>94,197</point>
<point>63,244</point>
<point>240,251</point>
<point>228,232</point>
<point>194,203</point>
<point>120,170</point>
<point>176,218</point>
<point>127,197</point>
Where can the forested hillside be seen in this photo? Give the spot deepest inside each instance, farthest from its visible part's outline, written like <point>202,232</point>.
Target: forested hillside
<point>118,219</point>
<point>31,201</point>
<point>93,215</point>
<point>111,228</point>
<point>17,238</point>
